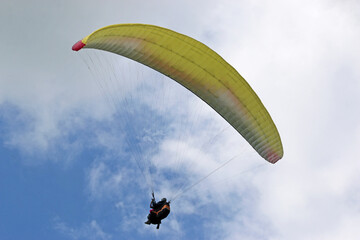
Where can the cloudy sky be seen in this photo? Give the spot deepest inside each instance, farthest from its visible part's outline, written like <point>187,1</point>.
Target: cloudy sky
<point>85,136</point>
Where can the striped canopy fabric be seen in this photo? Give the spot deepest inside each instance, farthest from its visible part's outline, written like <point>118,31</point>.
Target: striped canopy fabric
<point>199,69</point>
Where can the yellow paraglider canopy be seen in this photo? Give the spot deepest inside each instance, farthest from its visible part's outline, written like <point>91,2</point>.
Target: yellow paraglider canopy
<point>199,69</point>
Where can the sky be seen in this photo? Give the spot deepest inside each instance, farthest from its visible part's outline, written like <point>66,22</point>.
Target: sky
<point>85,136</point>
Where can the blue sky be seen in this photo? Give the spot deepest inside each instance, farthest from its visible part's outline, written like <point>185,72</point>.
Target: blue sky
<point>69,150</point>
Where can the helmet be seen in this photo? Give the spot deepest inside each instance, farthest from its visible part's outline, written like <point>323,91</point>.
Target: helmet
<point>163,200</point>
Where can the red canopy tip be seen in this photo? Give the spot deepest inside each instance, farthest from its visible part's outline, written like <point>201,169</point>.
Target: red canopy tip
<point>77,46</point>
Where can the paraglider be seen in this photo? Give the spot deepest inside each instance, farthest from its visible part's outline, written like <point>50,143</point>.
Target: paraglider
<point>202,71</point>
<point>199,69</point>
<point>159,211</point>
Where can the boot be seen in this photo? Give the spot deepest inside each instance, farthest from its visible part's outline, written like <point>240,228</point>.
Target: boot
<point>148,222</point>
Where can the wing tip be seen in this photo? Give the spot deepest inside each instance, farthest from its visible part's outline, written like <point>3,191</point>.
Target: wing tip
<point>78,45</point>
<point>273,157</point>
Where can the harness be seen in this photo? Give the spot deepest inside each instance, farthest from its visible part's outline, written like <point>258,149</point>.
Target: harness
<point>166,206</point>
